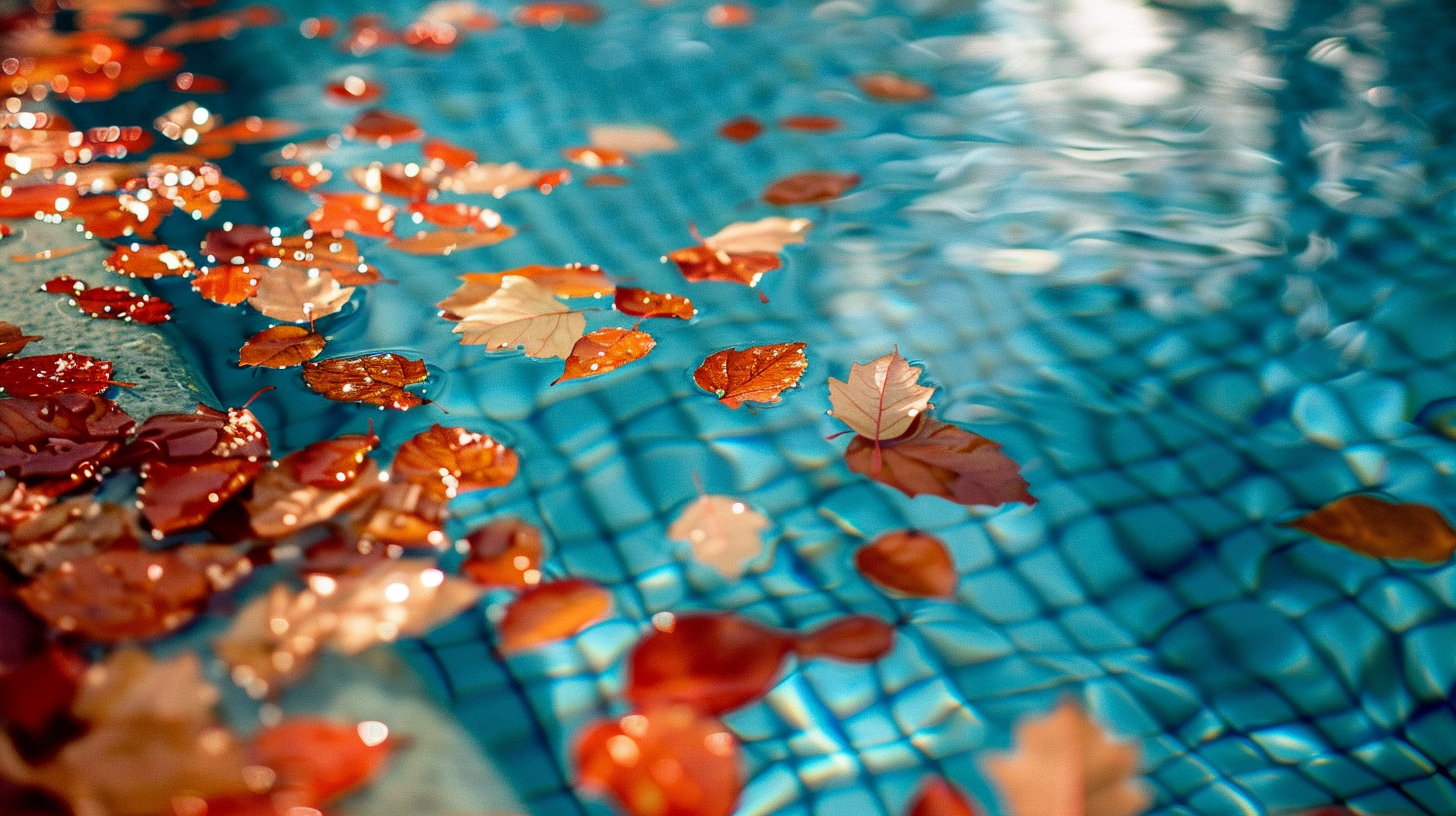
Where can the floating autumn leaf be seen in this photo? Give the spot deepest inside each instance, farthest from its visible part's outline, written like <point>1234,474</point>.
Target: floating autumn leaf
<point>549,612</point>
<point>353,90</point>
<point>454,460</point>
<point>298,294</point>
<point>250,130</point>
<point>596,157</point>
<point>756,374</point>
<point>206,432</point>
<point>360,213</point>
<point>149,261</point>
<point>605,350</point>
<point>49,375</point>
<point>444,242</point>
<point>409,181</point>
<point>642,303</point>
<point>937,797</point>
<point>504,553</point>
<point>886,86</point>
<point>281,347</point>
<point>571,281</point>
<point>810,123</point>
<point>315,761</point>
<point>810,187</point>
<point>63,438</point>
<point>729,15</point>
<point>217,27</point>
<point>553,14</point>
<point>856,638</point>
<point>722,531</point>
<point>280,504</point>
<point>447,156</point>
<point>13,340</point>
<point>48,254</point>
<point>766,235</point>
<point>939,459</point>
<point>1064,764</point>
<point>456,215</point>
<point>110,302</point>
<point>181,494</point>
<point>373,379</point>
<point>1382,529</point>
<point>490,179</point>
<point>699,263</point>
<point>742,130</point>
<point>633,139</point>
<point>128,594</point>
<point>384,127</point>
<point>606,180</point>
<point>331,463</point>
<point>881,399</point>
<point>522,314</point>
<point>227,284</point>
<point>909,561</point>
<point>666,762</point>
<point>303,177</point>
<point>75,528</point>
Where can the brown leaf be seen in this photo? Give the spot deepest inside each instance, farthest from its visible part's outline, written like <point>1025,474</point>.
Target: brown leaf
<point>551,612</point>
<point>699,264</point>
<point>373,379</point>
<point>228,284</point>
<point>331,463</point>
<point>1065,765</point>
<point>281,505</point>
<point>810,187</point>
<point>642,303</point>
<point>756,374</point>
<point>454,461</point>
<point>911,562</point>
<point>1382,529</point>
<point>281,347</point>
<point>444,242</point>
<point>605,350</point>
<point>49,375</point>
<point>881,398</point>
<point>943,460</point>
<point>742,130</point>
<point>182,494</point>
<point>13,340</point>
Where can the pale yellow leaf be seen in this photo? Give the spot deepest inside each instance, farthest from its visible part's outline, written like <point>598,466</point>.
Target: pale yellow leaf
<point>722,531</point>
<point>764,235</point>
<point>522,313</point>
<point>881,398</point>
<point>298,294</point>
<point>631,138</point>
<point>281,505</point>
<point>1064,764</point>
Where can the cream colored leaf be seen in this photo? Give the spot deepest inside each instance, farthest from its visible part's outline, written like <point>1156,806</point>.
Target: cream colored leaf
<point>466,296</point>
<point>489,179</point>
<point>764,235</point>
<point>398,598</point>
<point>522,313</point>
<point>723,533</point>
<point>631,138</point>
<point>298,294</point>
<point>881,399</point>
<point>281,505</point>
<point>1064,764</point>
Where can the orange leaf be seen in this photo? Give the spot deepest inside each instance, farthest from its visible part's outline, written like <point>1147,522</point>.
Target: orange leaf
<point>13,340</point>
<point>743,129</point>
<point>574,281</point>
<point>149,261</point>
<point>455,215</point>
<point>756,374</point>
<point>373,379</point>
<point>316,761</point>
<point>642,303</point>
<point>551,612</point>
<point>909,561</point>
<point>228,284</point>
<point>359,213</point>
<point>331,463</point>
<point>455,460</point>
<point>384,127</point>
<point>699,264</point>
<point>1382,529</point>
<point>810,187</point>
<point>605,350</point>
<point>886,86</point>
<point>446,155</point>
<point>553,14</point>
<point>281,347</point>
<point>606,180</point>
<point>303,177</point>
<point>353,90</point>
<point>180,494</point>
<point>506,552</point>
<point>404,181</point>
<point>810,123</point>
<point>251,129</point>
<point>855,638</point>
<point>444,242</point>
<point>729,15</point>
<point>940,459</point>
<point>664,762</point>
<point>939,798</point>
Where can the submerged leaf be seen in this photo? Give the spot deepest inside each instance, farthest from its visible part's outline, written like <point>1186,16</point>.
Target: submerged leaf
<point>810,187</point>
<point>1382,529</point>
<point>943,460</point>
<point>664,762</point>
<point>605,350</point>
<point>724,533</point>
<point>911,562</point>
<point>881,399</point>
<point>281,347</point>
<point>712,662</point>
<point>550,612</point>
<point>373,379</point>
<point>756,374</point>
<point>855,638</point>
<point>937,797</point>
<point>1064,764</point>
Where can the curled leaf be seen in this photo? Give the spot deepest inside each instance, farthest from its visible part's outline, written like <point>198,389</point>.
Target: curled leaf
<point>281,347</point>
<point>722,531</point>
<point>1382,529</point>
<point>605,350</point>
<point>940,459</point>
<point>331,463</point>
<point>755,374</point>
<point>642,303</point>
<point>550,612</point>
<point>810,187</point>
<point>373,379</point>
<point>909,561</point>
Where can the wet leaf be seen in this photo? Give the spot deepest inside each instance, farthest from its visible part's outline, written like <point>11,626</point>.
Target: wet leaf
<point>1382,529</point>
<point>766,235</point>
<point>456,215</point>
<point>50,375</point>
<point>280,504</point>
<point>1064,764</point>
<point>504,553</point>
<point>742,130</point>
<point>937,797</point>
<point>939,459</point>
<point>281,347</point>
<point>550,612</point>
<point>13,340</point>
<point>303,177</point>
<point>554,14</point>
<point>642,303</point>
<point>373,379</point>
<point>77,418</point>
<point>885,86</point>
<point>110,302</point>
<point>911,562</point>
<point>454,460</point>
<point>250,130</point>
<point>712,663</point>
<point>729,15</point>
<point>522,314</point>
<point>854,638</point>
<point>128,594</point>
<point>756,374</point>
<point>74,528</point>
<point>605,350</point>
<point>187,82</point>
<point>606,180</point>
<point>353,90</point>
<point>182,494</point>
<point>573,281</point>
<point>881,399</point>
<point>811,123</point>
<point>331,463</point>
<point>149,261</point>
<point>298,294</point>
<point>810,187</point>
<point>444,242</point>
<point>206,432</point>
<point>722,531</point>
<point>35,703</point>
<point>631,139</point>
<point>227,284</point>
<point>48,254</point>
<point>666,762</point>
<point>384,127</point>
<point>490,179</point>
<point>702,264</point>
<point>446,155</point>
<point>315,761</point>
<point>408,181</point>
<point>359,213</point>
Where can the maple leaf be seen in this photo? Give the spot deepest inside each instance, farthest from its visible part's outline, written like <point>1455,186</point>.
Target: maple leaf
<point>605,350</point>
<point>665,762</point>
<point>549,612</point>
<point>940,459</point>
<point>881,398</point>
<point>506,552</point>
<point>454,461</point>
<point>886,86</point>
<point>298,294</point>
<point>911,562</point>
<point>722,531</point>
<point>1382,529</point>
<point>49,375</point>
<point>766,235</point>
<point>1065,765</point>
<point>810,187</point>
<point>522,313</point>
<point>444,242</point>
<point>281,347</point>
<point>634,139</point>
<point>373,379</point>
<point>642,303</point>
<point>699,264</point>
<point>937,797</point>
<point>756,374</point>
<point>13,340</point>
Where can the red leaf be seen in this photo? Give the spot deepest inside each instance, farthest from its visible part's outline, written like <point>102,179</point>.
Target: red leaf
<point>237,244</point>
<point>699,263</point>
<point>182,494</point>
<point>360,213</point>
<point>204,432</point>
<point>742,130</point>
<point>374,379</point>
<point>281,347</point>
<point>729,15</point>
<point>554,14</point>
<point>810,123</point>
<point>125,594</point>
<point>911,562</point>
<point>712,663</point>
<point>666,762</point>
<point>939,798</point>
<point>384,127</point>
<point>943,460</point>
<point>756,374</point>
<point>331,464</point>
<point>50,375</point>
<point>317,761</point>
<point>36,199</point>
<point>455,215</point>
<point>810,187</point>
<point>111,302</point>
<point>13,340</point>
<point>57,459</point>
<point>856,638</point>
<point>451,461</point>
<point>36,696</point>
<point>605,350</point>
<point>885,86</point>
<point>642,303</point>
<point>198,83</point>
<point>149,261</point>
<point>551,612</point>
<point>506,552</point>
<point>25,422</point>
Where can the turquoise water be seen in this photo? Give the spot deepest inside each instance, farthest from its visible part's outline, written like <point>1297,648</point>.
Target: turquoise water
<point>1191,268</point>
